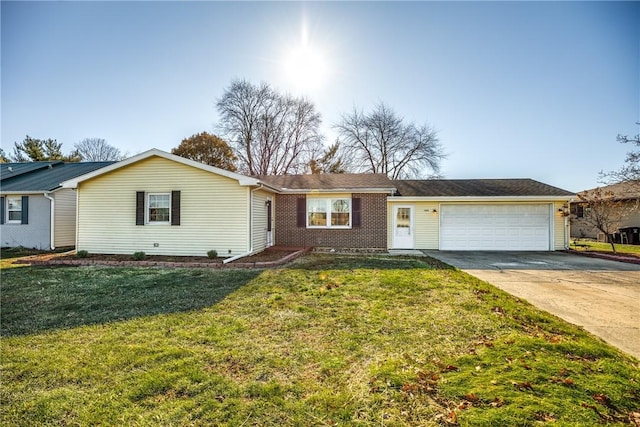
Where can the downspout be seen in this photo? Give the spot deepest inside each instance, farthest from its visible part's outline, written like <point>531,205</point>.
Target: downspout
<point>52,220</point>
<point>250,252</point>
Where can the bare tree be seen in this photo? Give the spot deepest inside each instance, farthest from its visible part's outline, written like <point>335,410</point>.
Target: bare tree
<point>329,161</point>
<point>605,211</point>
<point>97,150</point>
<point>630,171</point>
<point>381,142</point>
<point>271,133</point>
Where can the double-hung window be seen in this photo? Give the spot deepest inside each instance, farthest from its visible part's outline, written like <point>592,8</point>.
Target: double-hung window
<point>14,210</point>
<point>158,208</point>
<point>328,213</point>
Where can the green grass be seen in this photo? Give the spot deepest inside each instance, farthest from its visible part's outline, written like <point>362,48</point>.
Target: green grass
<point>589,245</point>
<point>330,340</point>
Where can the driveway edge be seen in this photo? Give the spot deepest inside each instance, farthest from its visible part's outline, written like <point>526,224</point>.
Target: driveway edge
<point>611,257</point>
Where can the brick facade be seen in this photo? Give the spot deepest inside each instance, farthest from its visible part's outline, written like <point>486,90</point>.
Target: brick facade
<point>372,234</point>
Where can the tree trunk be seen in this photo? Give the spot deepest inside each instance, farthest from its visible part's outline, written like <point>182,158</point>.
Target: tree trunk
<point>611,242</point>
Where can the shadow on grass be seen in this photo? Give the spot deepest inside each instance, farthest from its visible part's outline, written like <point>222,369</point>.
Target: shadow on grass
<point>36,299</point>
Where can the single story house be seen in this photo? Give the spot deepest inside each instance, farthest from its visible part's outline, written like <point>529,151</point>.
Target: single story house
<point>163,204</point>
<point>35,211</point>
<point>627,193</point>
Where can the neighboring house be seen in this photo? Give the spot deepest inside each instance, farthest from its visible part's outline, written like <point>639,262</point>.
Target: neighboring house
<point>628,193</point>
<point>478,214</point>
<point>36,212</point>
<point>163,204</point>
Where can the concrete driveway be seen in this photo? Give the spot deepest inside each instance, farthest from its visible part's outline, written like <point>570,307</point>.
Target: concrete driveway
<point>600,295</point>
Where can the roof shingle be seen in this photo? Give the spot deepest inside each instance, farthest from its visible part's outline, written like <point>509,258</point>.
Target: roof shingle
<point>342,181</point>
<point>477,188</point>
<point>42,176</point>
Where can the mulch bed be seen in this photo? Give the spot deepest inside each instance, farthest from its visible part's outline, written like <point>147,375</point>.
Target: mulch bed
<point>270,257</point>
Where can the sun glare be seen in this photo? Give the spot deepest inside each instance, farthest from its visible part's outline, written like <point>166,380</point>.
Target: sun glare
<point>305,66</point>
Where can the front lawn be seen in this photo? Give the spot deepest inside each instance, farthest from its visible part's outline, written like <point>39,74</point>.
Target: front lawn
<point>329,340</point>
<point>592,246</point>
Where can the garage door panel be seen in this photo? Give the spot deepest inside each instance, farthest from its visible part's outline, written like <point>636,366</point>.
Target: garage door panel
<point>495,227</point>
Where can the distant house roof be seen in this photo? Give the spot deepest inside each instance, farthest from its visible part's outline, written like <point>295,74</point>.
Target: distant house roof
<point>629,190</point>
<point>333,182</point>
<point>477,188</point>
<point>42,176</point>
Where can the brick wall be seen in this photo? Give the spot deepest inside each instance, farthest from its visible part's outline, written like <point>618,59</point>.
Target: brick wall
<point>372,234</point>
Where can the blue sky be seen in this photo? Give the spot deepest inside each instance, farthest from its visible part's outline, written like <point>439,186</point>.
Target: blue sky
<point>517,89</point>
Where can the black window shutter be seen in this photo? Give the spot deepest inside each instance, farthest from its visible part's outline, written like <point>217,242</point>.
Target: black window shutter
<point>356,209</point>
<point>269,215</point>
<point>25,210</point>
<point>3,210</point>
<point>301,211</point>
<point>139,207</point>
<point>175,208</point>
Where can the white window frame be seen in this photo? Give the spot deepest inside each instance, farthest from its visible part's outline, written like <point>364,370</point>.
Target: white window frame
<point>328,206</point>
<point>148,209</point>
<point>8,219</point>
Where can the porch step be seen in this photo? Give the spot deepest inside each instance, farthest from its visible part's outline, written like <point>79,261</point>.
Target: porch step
<point>406,252</point>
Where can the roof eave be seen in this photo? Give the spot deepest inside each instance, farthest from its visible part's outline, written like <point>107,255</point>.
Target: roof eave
<point>30,192</point>
<point>337,190</point>
<point>482,198</point>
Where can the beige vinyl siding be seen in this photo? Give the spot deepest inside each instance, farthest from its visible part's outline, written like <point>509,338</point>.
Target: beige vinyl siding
<point>260,219</point>
<point>65,218</point>
<point>214,211</point>
<point>426,224</point>
<point>559,228</point>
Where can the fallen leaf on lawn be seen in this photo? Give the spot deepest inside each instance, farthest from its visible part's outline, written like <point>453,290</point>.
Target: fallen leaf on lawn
<point>471,397</point>
<point>497,402</point>
<point>526,385</point>
<point>463,405</point>
<point>634,418</point>
<point>452,418</point>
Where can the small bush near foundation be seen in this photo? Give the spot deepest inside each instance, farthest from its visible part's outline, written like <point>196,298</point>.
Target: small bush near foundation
<point>82,254</point>
<point>139,256</point>
<point>212,254</point>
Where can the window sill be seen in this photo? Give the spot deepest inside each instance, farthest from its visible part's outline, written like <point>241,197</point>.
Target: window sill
<point>322,227</point>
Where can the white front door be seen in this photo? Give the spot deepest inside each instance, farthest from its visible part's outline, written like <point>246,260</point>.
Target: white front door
<point>403,231</point>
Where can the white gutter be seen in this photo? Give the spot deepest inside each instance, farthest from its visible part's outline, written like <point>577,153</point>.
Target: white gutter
<point>250,252</point>
<point>53,223</point>
<point>445,199</point>
<point>336,190</point>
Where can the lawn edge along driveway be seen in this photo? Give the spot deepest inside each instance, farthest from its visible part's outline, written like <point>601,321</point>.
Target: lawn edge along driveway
<point>600,295</point>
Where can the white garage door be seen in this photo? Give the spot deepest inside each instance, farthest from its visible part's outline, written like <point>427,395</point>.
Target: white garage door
<point>495,227</point>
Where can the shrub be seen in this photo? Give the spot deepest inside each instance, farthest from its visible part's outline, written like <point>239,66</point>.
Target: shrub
<point>139,256</point>
<point>212,254</point>
<point>82,254</point>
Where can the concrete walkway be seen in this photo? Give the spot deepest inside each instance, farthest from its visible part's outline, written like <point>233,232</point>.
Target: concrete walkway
<point>600,295</point>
